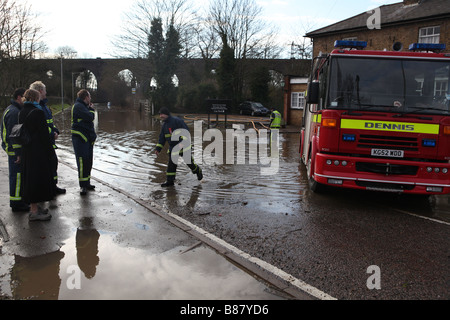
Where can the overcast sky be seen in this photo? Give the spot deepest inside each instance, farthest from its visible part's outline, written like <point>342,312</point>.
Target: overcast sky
<point>89,25</point>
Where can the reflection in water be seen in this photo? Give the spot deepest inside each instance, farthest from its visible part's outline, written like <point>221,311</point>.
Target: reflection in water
<point>91,265</point>
<point>130,273</point>
<point>36,277</point>
<point>87,247</point>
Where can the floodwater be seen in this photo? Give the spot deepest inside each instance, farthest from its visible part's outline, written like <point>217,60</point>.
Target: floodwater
<point>124,155</point>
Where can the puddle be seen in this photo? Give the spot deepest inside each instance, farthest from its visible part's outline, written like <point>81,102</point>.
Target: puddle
<point>91,266</point>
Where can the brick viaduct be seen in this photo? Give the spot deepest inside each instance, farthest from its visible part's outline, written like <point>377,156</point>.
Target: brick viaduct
<point>105,69</point>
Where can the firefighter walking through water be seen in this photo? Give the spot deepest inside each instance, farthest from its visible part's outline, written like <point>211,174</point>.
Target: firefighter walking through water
<point>172,127</point>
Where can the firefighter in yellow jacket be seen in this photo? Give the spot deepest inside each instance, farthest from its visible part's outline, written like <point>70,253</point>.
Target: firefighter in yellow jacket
<point>275,119</point>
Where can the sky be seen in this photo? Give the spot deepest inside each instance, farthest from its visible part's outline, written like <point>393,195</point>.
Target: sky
<point>89,26</point>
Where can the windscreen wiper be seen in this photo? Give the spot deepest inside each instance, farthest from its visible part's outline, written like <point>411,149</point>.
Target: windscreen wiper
<point>364,107</point>
<point>417,110</point>
<point>370,106</point>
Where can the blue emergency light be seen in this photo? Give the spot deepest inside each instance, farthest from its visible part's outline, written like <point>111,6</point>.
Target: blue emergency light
<point>427,47</point>
<point>349,137</point>
<point>350,44</point>
<point>429,142</point>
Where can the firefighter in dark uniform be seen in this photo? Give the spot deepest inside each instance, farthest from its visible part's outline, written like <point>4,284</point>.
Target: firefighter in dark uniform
<point>83,138</point>
<point>170,127</point>
<point>9,119</point>
<point>52,129</point>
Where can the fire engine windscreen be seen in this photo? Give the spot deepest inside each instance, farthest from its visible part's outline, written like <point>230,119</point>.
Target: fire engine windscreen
<point>389,85</point>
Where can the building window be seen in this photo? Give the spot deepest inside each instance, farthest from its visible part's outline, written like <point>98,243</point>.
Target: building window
<point>298,100</point>
<point>441,88</point>
<point>429,35</point>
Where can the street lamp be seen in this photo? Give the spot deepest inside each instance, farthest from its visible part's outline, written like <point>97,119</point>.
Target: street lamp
<point>62,82</point>
<point>73,86</point>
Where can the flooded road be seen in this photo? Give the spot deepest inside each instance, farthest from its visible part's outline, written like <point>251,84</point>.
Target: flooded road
<point>124,155</point>
<point>328,240</point>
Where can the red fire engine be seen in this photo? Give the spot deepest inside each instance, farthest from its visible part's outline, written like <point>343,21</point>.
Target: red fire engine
<point>379,120</point>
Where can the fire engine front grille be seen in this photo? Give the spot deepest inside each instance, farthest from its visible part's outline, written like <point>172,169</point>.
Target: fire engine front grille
<point>385,186</point>
<point>388,142</point>
<point>386,168</point>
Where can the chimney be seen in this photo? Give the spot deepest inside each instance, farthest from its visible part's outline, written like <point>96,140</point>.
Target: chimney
<point>411,2</point>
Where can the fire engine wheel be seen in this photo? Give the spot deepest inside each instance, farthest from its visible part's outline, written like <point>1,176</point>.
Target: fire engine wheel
<point>313,184</point>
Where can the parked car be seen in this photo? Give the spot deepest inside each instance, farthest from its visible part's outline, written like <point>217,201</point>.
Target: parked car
<point>253,108</point>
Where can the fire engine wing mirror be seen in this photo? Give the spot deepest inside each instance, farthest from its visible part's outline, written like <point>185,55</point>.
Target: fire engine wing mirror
<point>312,96</point>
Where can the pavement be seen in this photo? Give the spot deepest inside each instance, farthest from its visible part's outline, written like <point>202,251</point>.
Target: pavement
<point>112,245</point>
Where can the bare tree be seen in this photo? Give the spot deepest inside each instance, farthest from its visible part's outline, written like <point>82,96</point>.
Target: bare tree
<point>240,24</point>
<point>301,47</point>
<point>66,52</point>
<point>133,41</point>
<point>247,33</point>
<point>20,38</point>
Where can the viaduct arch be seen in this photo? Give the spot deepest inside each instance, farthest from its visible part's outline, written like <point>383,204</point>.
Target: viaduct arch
<point>106,69</point>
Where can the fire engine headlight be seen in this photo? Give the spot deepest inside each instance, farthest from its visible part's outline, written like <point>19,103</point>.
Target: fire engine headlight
<point>434,189</point>
<point>429,169</point>
<point>436,170</point>
<point>445,170</point>
<point>344,163</point>
<point>336,162</point>
<point>335,181</point>
<point>329,162</point>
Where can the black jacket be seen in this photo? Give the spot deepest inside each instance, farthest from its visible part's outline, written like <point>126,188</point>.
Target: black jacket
<point>83,121</point>
<point>9,119</point>
<point>167,130</point>
<point>38,157</point>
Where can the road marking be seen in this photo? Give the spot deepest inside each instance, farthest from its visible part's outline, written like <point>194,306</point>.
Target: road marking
<point>422,217</point>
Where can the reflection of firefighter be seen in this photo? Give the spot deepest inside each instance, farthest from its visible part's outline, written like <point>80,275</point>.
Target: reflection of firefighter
<point>87,251</point>
<point>275,119</point>
<point>172,126</point>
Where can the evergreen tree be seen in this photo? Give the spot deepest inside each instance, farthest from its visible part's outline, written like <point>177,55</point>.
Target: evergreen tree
<point>164,54</point>
<point>226,71</point>
<point>259,85</point>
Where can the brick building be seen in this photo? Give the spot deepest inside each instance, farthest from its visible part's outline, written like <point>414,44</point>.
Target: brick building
<point>395,25</point>
<point>410,21</point>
